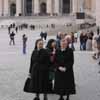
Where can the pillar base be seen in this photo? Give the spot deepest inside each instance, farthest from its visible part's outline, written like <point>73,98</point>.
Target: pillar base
<point>19,14</point>
<point>55,14</point>
<point>36,14</point>
<point>5,15</point>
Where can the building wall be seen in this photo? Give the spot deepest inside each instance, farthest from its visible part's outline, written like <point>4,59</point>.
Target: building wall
<point>0,7</point>
<point>90,7</point>
<point>88,4</point>
<point>98,12</point>
<point>76,6</point>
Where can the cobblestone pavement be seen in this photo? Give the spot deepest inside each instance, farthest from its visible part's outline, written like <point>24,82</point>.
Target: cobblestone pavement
<point>14,68</point>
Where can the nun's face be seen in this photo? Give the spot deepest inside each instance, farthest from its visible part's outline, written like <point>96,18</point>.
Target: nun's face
<point>40,45</point>
<point>63,44</point>
<point>53,44</point>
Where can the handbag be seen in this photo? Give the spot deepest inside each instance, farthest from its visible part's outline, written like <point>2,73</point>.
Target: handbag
<point>28,82</point>
<point>27,85</point>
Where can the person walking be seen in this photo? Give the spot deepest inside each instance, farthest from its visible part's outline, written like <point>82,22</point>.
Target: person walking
<point>94,44</point>
<point>39,70</point>
<point>9,29</point>
<point>59,37</point>
<point>24,38</point>
<point>45,36</point>
<point>83,40</point>
<point>72,41</point>
<point>42,35</point>
<point>16,29</point>
<point>64,75</point>
<point>98,48</point>
<point>12,38</point>
<point>89,42</point>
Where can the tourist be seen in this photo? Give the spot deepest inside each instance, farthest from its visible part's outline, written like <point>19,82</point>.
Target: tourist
<point>72,41</point>
<point>98,48</point>
<point>9,29</point>
<point>16,29</point>
<point>68,38</point>
<point>94,45</point>
<point>42,35</point>
<point>24,38</point>
<point>83,40</point>
<point>59,37</point>
<point>89,42</point>
<point>98,30</point>
<point>12,38</point>
<point>45,36</point>
<point>76,36</point>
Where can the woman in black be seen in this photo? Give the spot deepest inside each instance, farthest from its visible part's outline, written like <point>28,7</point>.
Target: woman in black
<point>64,76</point>
<point>51,48</point>
<point>39,70</point>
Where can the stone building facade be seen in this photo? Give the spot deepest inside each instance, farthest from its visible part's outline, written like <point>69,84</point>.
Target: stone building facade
<point>45,7</point>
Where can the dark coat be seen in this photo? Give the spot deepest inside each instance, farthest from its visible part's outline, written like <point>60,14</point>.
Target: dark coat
<point>39,70</point>
<point>52,59</point>
<point>64,81</point>
<point>51,70</point>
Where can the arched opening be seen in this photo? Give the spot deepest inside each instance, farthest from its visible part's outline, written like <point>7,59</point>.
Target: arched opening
<point>43,8</point>
<point>12,9</point>
<point>28,7</point>
<point>66,7</point>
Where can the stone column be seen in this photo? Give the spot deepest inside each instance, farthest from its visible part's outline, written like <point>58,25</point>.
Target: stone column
<point>23,7</point>
<point>93,8</point>
<point>61,6</point>
<point>93,5</point>
<point>57,7</point>
<point>74,6</point>
<point>49,7</point>
<point>32,7</point>
<point>36,7</point>
<point>78,6</point>
<point>71,6</point>
<point>18,7</point>
<point>81,5</point>
<point>6,8</point>
<point>98,12</point>
<point>1,7</point>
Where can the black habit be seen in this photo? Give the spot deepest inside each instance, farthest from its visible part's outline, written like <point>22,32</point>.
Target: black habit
<point>39,70</point>
<point>64,81</point>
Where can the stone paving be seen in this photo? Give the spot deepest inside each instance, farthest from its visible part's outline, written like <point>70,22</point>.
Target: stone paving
<point>14,68</point>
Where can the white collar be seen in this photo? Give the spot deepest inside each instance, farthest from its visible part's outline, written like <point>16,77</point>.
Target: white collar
<point>63,49</point>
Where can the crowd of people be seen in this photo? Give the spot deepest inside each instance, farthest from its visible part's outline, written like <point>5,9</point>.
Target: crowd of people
<point>27,26</point>
<point>12,31</point>
<point>90,41</point>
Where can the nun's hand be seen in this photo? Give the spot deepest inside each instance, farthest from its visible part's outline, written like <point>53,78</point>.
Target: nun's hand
<point>62,69</point>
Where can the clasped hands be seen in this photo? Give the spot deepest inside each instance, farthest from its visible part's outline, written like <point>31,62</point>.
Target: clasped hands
<point>62,69</point>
